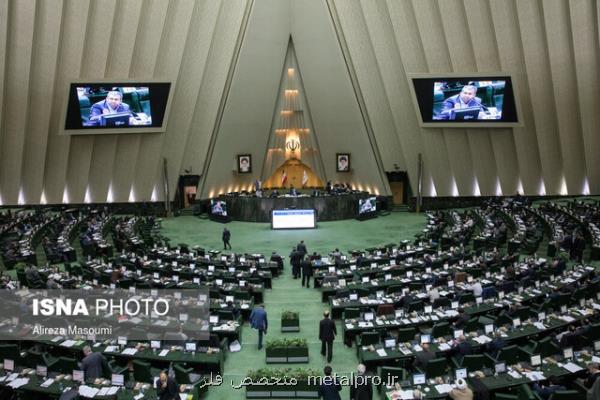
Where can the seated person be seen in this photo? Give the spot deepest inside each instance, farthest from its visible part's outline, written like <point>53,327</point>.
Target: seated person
<point>465,99</point>
<point>293,191</point>
<point>112,104</point>
<point>93,364</point>
<point>166,388</point>
<point>545,391</point>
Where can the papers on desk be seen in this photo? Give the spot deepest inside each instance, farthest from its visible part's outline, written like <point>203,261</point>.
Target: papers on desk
<point>57,339</point>
<point>17,383</point>
<point>68,343</point>
<point>349,326</point>
<point>108,391</point>
<point>135,320</point>
<point>482,339</point>
<point>567,318</point>
<point>244,306</point>
<point>595,359</point>
<point>161,322</point>
<point>444,346</point>
<point>444,388</point>
<point>539,325</point>
<point>111,349</point>
<point>404,394</point>
<point>163,353</point>
<point>571,367</point>
<point>417,347</point>
<point>381,353</point>
<point>47,383</point>
<point>535,375</point>
<point>87,391</point>
<point>12,377</point>
<point>183,396</point>
<point>404,350</point>
<point>363,324</point>
<point>514,374</point>
<point>129,351</point>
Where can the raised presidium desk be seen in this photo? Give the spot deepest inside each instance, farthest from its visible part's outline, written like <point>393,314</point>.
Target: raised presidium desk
<point>258,209</point>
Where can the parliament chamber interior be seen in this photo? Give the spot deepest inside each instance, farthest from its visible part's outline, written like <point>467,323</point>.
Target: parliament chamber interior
<point>299,199</point>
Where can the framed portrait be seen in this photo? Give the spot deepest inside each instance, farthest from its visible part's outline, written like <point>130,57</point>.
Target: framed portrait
<point>342,162</point>
<point>244,163</point>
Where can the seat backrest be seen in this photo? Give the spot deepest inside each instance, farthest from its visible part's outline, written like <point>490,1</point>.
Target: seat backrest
<point>473,362</point>
<point>367,338</point>
<point>406,334</point>
<point>436,367</point>
<point>351,313</point>
<point>141,372</point>
<point>399,373</point>
<point>440,329</point>
<point>565,395</point>
<point>509,354</point>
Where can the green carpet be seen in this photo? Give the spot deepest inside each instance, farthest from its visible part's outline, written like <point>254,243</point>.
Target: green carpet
<point>287,292</point>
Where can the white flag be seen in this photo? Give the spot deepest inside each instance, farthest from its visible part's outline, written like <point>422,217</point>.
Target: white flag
<point>304,178</point>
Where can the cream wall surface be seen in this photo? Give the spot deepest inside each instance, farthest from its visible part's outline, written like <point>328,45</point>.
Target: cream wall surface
<point>355,57</point>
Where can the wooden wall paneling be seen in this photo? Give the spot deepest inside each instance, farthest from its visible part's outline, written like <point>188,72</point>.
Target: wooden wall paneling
<point>171,52</point>
<point>43,69</point>
<point>21,20</point>
<point>4,4</point>
<point>145,55</point>
<point>584,36</point>
<point>71,47</point>
<point>535,50</point>
<point>511,58</point>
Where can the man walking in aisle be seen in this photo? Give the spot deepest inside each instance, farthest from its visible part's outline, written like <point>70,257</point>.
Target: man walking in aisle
<point>327,332</point>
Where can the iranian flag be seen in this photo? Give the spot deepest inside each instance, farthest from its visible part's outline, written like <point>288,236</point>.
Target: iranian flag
<point>283,178</point>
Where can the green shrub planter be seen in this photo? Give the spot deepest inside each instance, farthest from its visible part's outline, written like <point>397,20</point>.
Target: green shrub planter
<point>286,351</point>
<point>277,390</point>
<point>290,321</point>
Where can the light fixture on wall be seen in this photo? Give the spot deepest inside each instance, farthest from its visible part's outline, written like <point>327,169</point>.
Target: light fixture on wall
<point>476,190</point>
<point>498,187</point>
<point>43,197</point>
<point>65,198</point>
<point>454,188</point>
<point>563,187</point>
<point>520,188</point>
<point>586,187</point>
<point>87,198</point>
<point>432,190</point>
<point>542,188</point>
<point>21,199</point>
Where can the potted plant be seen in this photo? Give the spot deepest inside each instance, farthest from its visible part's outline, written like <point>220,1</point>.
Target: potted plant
<point>290,321</point>
<point>276,351</point>
<point>282,383</point>
<point>297,350</point>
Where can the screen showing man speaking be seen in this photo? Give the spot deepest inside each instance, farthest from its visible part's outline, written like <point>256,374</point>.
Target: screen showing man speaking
<point>466,100</point>
<point>113,105</point>
<point>293,219</point>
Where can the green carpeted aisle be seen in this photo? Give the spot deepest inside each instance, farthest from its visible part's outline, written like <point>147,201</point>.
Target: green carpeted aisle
<point>287,294</point>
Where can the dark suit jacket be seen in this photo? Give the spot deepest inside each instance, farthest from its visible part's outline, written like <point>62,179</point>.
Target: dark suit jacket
<point>422,357</point>
<point>306,267</point>
<point>330,391</point>
<point>258,319</point>
<point>302,248</point>
<point>452,100</point>
<point>92,365</point>
<point>99,107</point>
<point>495,345</point>
<point>361,390</point>
<point>169,392</point>
<point>327,329</point>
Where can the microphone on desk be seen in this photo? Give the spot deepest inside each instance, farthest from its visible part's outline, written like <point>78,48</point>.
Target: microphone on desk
<point>481,105</point>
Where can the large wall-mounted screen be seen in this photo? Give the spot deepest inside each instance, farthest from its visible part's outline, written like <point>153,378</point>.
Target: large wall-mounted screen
<point>484,101</point>
<point>117,107</point>
<point>293,219</point>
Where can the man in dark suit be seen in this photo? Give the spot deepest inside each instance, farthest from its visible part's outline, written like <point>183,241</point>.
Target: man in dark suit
<point>423,357</point>
<point>327,332</point>
<point>462,347</point>
<point>462,320</point>
<point>295,259</point>
<point>166,388</point>
<point>306,268</point>
<point>93,364</point>
<point>301,247</point>
<point>258,320</point>
<point>496,345</point>
<point>113,104</point>
<point>330,388</point>
<point>545,391</point>
<point>226,238</point>
<point>361,388</point>
<point>465,99</point>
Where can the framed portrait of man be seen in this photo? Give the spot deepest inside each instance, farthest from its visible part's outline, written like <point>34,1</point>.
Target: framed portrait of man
<point>244,163</point>
<point>343,162</point>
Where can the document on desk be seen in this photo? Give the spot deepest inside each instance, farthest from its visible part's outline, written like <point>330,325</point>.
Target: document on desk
<point>68,343</point>
<point>381,353</point>
<point>535,376</point>
<point>139,396</point>
<point>17,383</point>
<point>129,351</point>
<point>444,346</point>
<point>405,394</point>
<point>47,383</point>
<point>482,339</point>
<point>112,390</point>
<point>416,347</point>
<point>514,374</point>
<point>163,353</point>
<point>111,349</point>
<point>572,367</point>
<point>444,388</point>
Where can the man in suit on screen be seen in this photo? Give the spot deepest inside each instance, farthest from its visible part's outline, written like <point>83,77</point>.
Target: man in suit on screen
<point>112,104</point>
<point>465,99</point>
